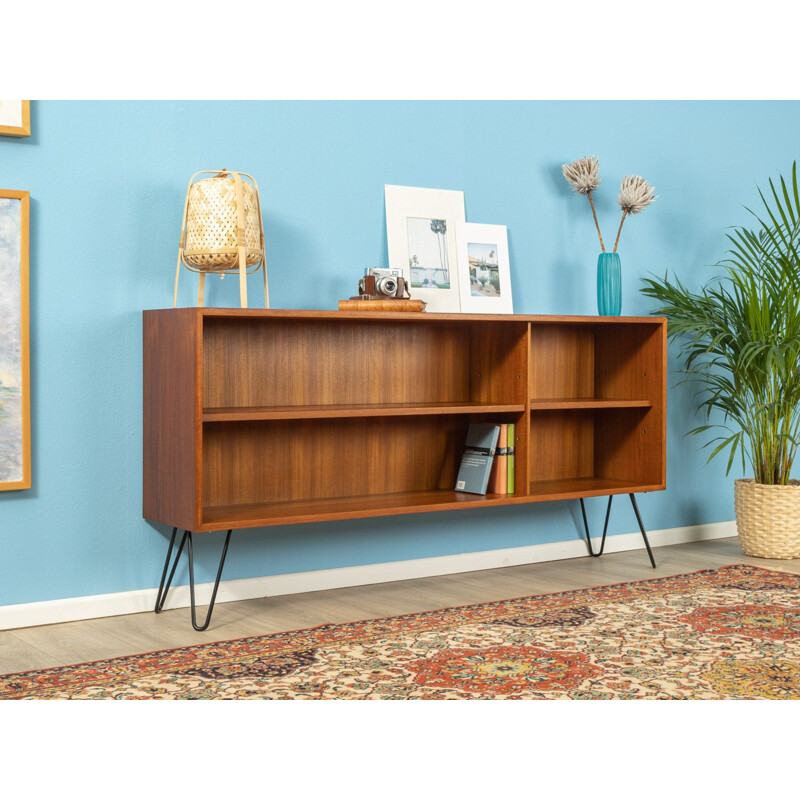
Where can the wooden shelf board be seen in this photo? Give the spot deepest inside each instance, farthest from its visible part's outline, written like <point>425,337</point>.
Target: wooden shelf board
<point>361,410</point>
<point>265,514</point>
<point>570,488</point>
<point>250,516</point>
<point>553,403</point>
<point>425,316</point>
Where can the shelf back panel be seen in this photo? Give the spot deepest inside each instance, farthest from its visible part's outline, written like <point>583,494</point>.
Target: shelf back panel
<point>562,361</point>
<point>253,362</point>
<point>498,362</point>
<point>618,444</point>
<point>630,362</point>
<point>628,445</point>
<point>263,462</point>
<point>561,445</point>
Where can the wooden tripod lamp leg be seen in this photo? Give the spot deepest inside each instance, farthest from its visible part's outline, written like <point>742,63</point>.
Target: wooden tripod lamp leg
<point>177,275</point>
<point>240,238</point>
<point>242,278</point>
<point>201,290</point>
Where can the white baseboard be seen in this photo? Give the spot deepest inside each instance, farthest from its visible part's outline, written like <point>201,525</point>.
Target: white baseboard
<point>70,609</point>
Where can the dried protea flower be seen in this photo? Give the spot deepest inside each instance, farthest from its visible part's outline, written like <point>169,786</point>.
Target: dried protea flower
<point>583,175</point>
<point>635,194</point>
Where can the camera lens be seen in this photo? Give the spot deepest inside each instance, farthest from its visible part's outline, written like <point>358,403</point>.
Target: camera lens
<point>386,286</point>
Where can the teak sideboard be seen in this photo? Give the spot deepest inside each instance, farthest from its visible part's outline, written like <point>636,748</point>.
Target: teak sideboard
<point>272,417</point>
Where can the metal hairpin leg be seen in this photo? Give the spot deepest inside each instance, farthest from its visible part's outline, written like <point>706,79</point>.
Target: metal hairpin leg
<point>163,589</point>
<point>605,529</point>
<point>641,528</point>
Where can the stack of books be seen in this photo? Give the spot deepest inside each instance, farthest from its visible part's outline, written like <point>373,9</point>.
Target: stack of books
<point>488,461</point>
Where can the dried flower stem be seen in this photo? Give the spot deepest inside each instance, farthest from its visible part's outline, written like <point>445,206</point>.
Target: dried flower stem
<point>594,214</point>
<point>624,214</point>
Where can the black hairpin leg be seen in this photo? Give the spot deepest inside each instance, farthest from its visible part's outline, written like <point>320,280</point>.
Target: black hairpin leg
<point>605,529</point>
<point>641,528</point>
<point>163,589</point>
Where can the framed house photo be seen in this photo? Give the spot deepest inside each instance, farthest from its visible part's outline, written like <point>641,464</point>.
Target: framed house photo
<point>421,234</point>
<point>15,117</point>
<point>484,271</point>
<point>15,418</point>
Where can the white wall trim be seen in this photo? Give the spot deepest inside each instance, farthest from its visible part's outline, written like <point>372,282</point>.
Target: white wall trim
<point>70,609</point>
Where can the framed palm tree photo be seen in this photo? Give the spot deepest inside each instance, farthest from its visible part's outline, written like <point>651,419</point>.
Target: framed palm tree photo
<point>15,423</point>
<point>484,271</point>
<point>421,235</point>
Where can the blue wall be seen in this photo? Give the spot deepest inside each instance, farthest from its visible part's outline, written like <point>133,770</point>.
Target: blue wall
<point>108,179</point>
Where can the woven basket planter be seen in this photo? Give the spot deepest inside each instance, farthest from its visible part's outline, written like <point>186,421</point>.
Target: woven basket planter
<point>768,518</point>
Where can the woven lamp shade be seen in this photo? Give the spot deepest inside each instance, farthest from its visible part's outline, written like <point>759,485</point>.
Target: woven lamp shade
<point>222,230</point>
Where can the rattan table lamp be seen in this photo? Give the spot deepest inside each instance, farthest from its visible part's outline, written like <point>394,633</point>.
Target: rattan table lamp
<point>222,231</point>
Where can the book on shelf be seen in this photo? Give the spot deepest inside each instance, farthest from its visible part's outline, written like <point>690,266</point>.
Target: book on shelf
<point>510,448</point>
<point>498,480</point>
<point>476,463</point>
<point>501,480</point>
<point>389,304</point>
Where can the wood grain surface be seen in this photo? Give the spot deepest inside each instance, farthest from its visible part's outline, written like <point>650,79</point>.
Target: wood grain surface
<point>265,417</point>
<point>171,416</point>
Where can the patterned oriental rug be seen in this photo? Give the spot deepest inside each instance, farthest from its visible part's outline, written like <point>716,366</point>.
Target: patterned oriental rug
<point>732,632</point>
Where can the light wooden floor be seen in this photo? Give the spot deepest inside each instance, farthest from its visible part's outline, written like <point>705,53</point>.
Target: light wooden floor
<point>74,642</point>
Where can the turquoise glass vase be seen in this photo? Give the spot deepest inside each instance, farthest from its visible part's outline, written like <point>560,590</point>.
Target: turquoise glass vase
<point>609,285</point>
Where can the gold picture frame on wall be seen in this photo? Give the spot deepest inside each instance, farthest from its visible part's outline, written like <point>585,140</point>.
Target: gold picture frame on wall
<point>15,402</point>
<point>15,117</point>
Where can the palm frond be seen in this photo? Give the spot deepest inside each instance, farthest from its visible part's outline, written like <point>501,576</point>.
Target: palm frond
<point>739,337</point>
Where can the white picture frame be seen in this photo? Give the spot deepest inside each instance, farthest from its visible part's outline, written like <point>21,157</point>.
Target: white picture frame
<point>15,117</point>
<point>484,269</point>
<point>421,235</point>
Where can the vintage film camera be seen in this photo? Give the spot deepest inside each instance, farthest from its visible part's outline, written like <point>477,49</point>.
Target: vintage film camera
<point>380,284</point>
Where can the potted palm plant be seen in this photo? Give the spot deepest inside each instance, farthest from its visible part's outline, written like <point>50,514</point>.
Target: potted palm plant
<point>739,339</point>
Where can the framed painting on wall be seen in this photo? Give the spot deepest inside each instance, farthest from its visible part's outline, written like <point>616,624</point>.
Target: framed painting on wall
<point>484,269</point>
<point>421,234</point>
<point>15,117</point>
<point>15,423</point>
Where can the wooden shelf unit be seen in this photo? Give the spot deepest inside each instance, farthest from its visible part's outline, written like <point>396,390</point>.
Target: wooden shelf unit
<point>255,418</point>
